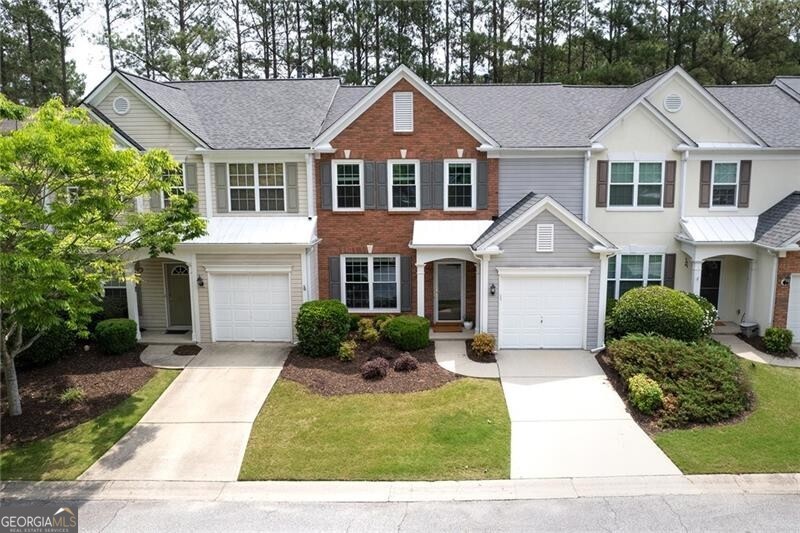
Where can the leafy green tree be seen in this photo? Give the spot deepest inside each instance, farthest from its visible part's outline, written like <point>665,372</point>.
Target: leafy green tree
<point>67,197</point>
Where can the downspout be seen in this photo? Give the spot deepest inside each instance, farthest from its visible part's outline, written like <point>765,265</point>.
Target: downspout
<point>773,287</point>
<point>684,167</point>
<point>586,160</point>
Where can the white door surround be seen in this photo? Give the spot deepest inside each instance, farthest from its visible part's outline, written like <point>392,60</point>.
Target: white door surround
<point>793,310</point>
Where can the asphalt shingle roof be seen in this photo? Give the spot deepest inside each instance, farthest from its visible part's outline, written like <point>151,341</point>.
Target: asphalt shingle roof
<point>780,222</point>
<point>511,214</point>
<point>766,109</point>
<point>789,84</point>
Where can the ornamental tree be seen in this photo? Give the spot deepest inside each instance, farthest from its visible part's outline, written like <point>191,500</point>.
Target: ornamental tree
<point>68,220</point>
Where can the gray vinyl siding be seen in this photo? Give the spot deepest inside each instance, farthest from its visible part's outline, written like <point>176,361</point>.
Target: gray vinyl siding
<point>571,250</point>
<point>559,178</point>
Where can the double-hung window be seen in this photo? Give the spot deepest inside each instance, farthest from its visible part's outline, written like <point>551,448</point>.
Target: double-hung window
<point>257,187</point>
<point>178,179</point>
<point>724,184</point>
<point>404,185</point>
<point>371,283</point>
<point>459,184</point>
<point>348,185</point>
<point>636,184</point>
<point>626,272</point>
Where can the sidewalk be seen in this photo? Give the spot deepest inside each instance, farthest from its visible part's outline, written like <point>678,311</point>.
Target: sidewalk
<point>400,491</point>
<point>745,351</point>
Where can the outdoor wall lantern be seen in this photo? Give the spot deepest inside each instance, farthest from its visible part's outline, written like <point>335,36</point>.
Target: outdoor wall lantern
<point>492,289</point>
<point>460,152</point>
<point>369,248</point>
<point>403,153</point>
<point>200,282</point>
<point>347,154</point>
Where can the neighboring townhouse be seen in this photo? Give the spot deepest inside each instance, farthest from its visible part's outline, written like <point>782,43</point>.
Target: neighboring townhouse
<point>521,208</point>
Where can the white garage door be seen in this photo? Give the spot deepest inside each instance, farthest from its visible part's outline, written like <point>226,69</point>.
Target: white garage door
<point>251,307</point>
<point>793,315</point>
<point>542,312</point>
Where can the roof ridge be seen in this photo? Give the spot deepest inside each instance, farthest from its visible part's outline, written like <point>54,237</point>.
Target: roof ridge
<point>138,77</point>
<point>223,80</point>
<point>738,85</point>
<point>509,84</point>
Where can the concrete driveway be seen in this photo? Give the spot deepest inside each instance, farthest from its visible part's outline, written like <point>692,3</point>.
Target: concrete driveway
<point>568,421</point>
<point>198,429</point>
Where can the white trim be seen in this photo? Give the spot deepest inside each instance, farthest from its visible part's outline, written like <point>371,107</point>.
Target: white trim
<point>473,183</point>
<point>735,205</point>
<point>684,175</point>
<point>132,298</point>
<point>463,286</point>
<point>256,187</point>
<point>401,72</point>
<point>183,187</point>
<point>194,300</point>
<point>370,281</point>
<point>602,301</point>
<point>303,274</point>
<point>208,187</point>
<point>335,183</point>
<point>166,276</point>
<point>587,159</point>
<point>645,255</point>
<point>635,183</point>
<point>311,199</point>
<point>403,94</point>
<point>544,272</point>
<point>247,269</point>
<point>773,287</point>
<point>390,183</point>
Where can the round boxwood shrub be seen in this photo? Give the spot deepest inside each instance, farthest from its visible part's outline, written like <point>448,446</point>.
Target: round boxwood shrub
<point>659,310</point>
<point>408,332</point>
<point>116,335</point>
<point>709,313</point>
<point>375,369</point>
<point>51,346</point>
<point>778,340</point>
<point>321,326</point>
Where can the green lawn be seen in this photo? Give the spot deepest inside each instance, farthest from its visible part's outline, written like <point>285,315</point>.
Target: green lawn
<point>766,441</point>
<point>458,431</point>
<point>65,455</point>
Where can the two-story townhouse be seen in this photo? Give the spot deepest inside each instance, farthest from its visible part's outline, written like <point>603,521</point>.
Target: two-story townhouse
<point>523,208</point>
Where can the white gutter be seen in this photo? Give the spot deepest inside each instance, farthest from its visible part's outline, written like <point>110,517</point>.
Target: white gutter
<point>586,188</point>
<point>684,177</point>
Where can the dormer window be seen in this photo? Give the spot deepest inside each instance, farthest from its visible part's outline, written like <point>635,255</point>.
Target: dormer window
<point>403,112</point>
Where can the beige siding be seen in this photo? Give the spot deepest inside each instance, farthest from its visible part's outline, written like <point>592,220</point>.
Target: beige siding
<point>293,260</point>
<point>152,303</point>
<point>302,194</point>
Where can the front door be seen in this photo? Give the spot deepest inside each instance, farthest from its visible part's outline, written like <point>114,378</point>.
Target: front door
<point>179,312</point>
<point>449,302</point>
<point>709,281</point>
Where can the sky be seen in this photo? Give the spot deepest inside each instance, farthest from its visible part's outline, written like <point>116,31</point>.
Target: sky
<point>91,59</point>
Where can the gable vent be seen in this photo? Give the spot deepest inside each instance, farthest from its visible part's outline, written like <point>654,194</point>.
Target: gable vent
<point>121,105</point>
<point>673,103</point>
<point>545,237</point>
<point>403,112</point>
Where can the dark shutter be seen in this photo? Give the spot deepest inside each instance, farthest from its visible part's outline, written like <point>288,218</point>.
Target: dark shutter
<point>381,185</point>
<point>483,184</point>
<point>326,187</point>
<point>705,183</point>
<point>155,201</point>
<point>426,183</point>
<point>292,201</point>
<point>744,183</point>
<point>669,270</point>
<point>190,176</point>
<point>221,181</point>
<point>405,283</point>
<point>669,183</point>
<point>334,278</point>
<point>601,199</point>
<point>437,170</point>
<point>369,185</point>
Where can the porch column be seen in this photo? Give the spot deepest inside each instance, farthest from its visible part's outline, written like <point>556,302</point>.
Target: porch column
<point>749,310</point>
<point>133,303</point>
<point>478,297</point>
<point>697,271</point>
<point>193,298</point>
<point>421,289</point>
<point>484,298</point>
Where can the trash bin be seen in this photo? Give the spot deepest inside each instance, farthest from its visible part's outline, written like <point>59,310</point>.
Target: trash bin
<point>749,329</point>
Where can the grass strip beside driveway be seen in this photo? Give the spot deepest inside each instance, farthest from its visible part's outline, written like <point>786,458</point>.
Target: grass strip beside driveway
<point>458,431</point>
<point>65,456</point>
<point>766,441</point>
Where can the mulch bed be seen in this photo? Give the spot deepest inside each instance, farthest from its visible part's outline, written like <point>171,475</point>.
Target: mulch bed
<point>328,376</point>
<point>106,380</point>
<point>478,358</point>
<point>187,349</point>
<point>757,342</point>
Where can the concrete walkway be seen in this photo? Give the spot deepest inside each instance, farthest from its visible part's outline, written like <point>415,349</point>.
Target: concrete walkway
<point>161,356</point>
<point>745,351</point>
<point>568,421</point>
<point>198,429</point>
<point>452,355</point>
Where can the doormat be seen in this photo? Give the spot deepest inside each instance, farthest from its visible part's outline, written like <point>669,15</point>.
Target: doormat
<point>440,327</point>
<point>187,349</point>
<point>176,331</point>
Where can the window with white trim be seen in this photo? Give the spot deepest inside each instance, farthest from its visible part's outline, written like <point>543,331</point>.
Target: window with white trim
<point>178,179</point>
<point>403,112</point>
<point>459,184</point>
<point>404,187</point>
<point>545,237</point>
<point>724,184</point>
<point>371,283</point>
<point>348,185</point>
<point>257,187</point>
<point>626,272</point>
<point>636,184</point>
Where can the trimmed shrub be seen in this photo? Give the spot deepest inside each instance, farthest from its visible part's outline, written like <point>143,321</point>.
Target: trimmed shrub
<point>778,340</point>
<point>51,346</point>
<point>375,369</point>
<point>659,310</point>
<point>72,395</point>
<point>381,321</point>
<point>408,332</point>
<point>354,320</point>
<point>116,335</point>
<point>347,350</point>
<point>321,326</point>
<point>645,394</point>
<point>406,363</point>
<point>709,313</point>
<point>704,377</point>
<point>367,331</point>
<point>483,344</point>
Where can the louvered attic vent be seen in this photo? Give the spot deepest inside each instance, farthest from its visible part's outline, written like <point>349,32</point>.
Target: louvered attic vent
<point>403,112</point>
<point>545,237</point>
<point>673,103</point>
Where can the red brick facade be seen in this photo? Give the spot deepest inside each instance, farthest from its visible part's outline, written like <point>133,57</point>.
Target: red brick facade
<point>371,138</point>
<point>786,267</point>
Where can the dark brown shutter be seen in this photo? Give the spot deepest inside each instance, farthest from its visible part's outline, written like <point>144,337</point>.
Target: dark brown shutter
<point>325,185</point>
<point>669,183</point>
<point>602,184</point>
<point>483,184</point>
<point>221,182</point>
<point>334,278</point>
<point>744,183</point>
<point>669,270</point>
<point>705,183</point>
<point>405,283</point>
